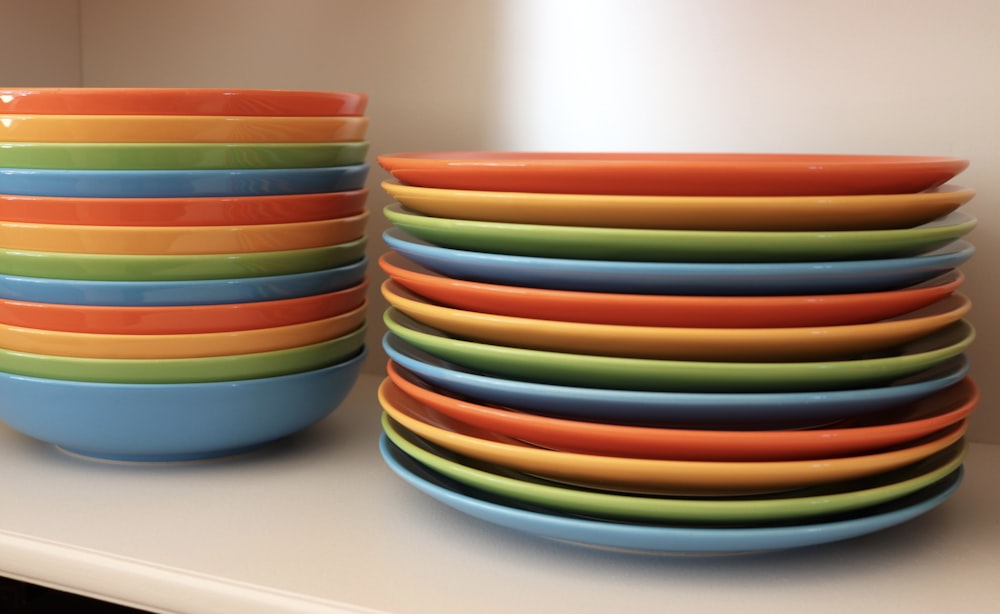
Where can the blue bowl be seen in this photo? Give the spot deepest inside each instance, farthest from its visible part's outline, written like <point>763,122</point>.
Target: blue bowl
<point>193,292</point>
<point>172,422</point>
<point>181,183</point>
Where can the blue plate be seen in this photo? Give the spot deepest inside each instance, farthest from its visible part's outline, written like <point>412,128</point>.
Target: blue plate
<point>193,292</point>
<point>698,278</point>
<point>690,409</point>
<point>146,184</point>
<point>661,538</point>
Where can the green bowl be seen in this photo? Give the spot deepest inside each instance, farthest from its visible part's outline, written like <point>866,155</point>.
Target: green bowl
<point>180,156</point>
<point>185,370</point>
<point>128,267</point>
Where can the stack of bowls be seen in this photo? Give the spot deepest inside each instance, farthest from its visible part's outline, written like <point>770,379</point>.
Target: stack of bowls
<point>678,352</point>
<point>182,271</point>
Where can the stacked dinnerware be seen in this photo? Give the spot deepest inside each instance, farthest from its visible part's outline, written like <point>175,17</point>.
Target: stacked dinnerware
<point>182,271</point>
<point>678,352</point>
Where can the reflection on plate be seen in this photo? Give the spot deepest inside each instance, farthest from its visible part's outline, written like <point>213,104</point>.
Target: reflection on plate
<point>657,537</point>
<point>654,245</point>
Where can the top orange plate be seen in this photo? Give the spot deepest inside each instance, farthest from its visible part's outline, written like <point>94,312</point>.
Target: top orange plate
<point>179,101</point>
<point>673,174</point>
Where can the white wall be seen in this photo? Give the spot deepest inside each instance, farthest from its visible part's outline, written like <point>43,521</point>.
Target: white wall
<point>41,43</point>
<point>873,76</point>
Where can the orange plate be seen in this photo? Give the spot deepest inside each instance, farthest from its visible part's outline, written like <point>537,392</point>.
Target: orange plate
<point>844,438</point>
<point>666,310</point>
<point>677,174</point>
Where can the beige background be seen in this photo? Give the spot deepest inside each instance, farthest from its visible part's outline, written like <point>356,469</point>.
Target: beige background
<point>850,76</point>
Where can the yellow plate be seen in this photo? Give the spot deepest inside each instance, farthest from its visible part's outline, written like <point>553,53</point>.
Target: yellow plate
<point>195,345</point>
<point>615,473</point>
<point>866,212</point>
<point>681,343</point>
<point>180,129</point>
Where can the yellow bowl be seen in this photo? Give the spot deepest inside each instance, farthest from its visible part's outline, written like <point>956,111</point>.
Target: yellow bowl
<point>681,343</point>
<point>179,240</point>
<point>180,129</point>
<point>195,345</point>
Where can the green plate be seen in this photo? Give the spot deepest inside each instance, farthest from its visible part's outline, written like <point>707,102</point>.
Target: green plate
<point>654,245</point>
<point>185,370</point>
<point>180,156</point>
<point>684,376</point>
<point>790,505</point>
<point>128,267</point>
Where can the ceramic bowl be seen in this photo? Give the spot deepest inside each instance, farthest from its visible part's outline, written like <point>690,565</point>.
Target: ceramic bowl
<point>192,345</point>
<point>790,213</point>
<point>183,184</point>
<point>693,511</point>
<point>180,240</point>
<point>654,476</point>
<point>681,343</point>
<point>707,409</point>
<point>181,319</point>
<point>186,292</point>
<point>656,245</point>
<point>179,101</point>
<point>178,267</point>
<point>206,211</point>
<point>179,156</point>
<point>172,422</point>
<point>573,369</point>
<point>48,128</point>
<point>186,370</point>
<point>691,278</point>
<point>664,309</point>
<point>673,174</point>
<point>851,437</point>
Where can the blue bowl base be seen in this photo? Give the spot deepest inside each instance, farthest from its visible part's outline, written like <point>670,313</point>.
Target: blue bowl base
<point>186,457</point>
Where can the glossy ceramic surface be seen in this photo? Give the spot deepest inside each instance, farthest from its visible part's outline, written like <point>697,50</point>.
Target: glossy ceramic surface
<point>708,409</point>
<point>667,310</point>
<point>690,278</point>
<point>185,184</point>
<point>627,474</point>
<point>844,438</point>
<point>193,345</point>
<point>188,292</point>
<point>173,267</point>
<point>183,319</point>
<point>186,370</point>
<point>641,244</point>
<point>179,156</point>
<point>684,376</point>
<point>206,211</point>
<point>681,343</point>
<point>172,422</point>
<point>659,538</point>
<point>672,174</point>
<point>860,212</point>
<point>804,503</point>
<point>180,129</point>
<point>179,101</point>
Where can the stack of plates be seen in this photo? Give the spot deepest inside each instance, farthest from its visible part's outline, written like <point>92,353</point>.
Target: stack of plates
<point>182,271</point>
<point>678,352</point>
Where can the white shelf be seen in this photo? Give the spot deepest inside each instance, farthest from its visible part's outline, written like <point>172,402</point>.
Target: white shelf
<point>319,524</point>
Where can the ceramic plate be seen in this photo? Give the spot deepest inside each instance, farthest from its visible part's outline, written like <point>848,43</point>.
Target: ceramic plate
<point>685,409</point>
<point>698,278</point>
<point>843,438</point>
<point>861,212</point>
<point>684,376</point>
<point>657,537</point>
<point>665,309</point>
<point>681,343</point>
<point>654,245</point>
<point>645,475</point>
<point>672,174</point>
<point>804,503</point>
